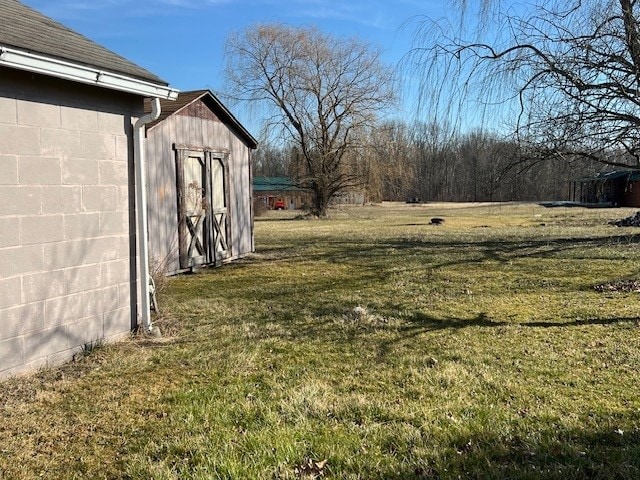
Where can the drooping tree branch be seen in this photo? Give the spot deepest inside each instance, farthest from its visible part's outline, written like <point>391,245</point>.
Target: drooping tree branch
<point>569,71</point>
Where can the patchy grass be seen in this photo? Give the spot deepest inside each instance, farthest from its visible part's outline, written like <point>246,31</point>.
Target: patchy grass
<point>370,345</point>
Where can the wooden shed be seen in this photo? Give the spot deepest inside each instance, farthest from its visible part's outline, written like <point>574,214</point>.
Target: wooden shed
<point>199,185</point>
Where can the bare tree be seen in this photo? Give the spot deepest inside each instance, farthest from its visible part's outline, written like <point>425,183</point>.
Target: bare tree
<point>392,175</point>
<point>271,161</point>
<point>320,91</point>
<point>569,68</point>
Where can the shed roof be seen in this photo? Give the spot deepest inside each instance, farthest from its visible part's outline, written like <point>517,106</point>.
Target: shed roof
<point>627,175</point>
<point>274,184</point>
<point>25,29</point>
<point>185,99</point>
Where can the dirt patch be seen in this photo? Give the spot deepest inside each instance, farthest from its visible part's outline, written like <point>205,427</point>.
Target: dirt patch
<point>619,286</point>
<point>631,221</point>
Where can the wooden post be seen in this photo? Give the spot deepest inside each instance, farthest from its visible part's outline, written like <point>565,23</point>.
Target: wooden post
<point>183,244</point>
<point>208,232</point>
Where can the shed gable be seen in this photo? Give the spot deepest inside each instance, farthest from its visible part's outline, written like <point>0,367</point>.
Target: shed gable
<point>199,109</point>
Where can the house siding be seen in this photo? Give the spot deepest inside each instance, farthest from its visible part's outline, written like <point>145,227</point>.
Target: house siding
<point>67,265</point>
<point>632,194</point>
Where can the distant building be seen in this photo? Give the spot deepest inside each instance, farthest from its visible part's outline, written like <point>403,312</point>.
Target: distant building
<point>279,193</point>
<point>618,188</point>
<point>349,197</point>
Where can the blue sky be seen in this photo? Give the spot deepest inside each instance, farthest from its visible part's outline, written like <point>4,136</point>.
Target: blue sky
<point>182,41</point>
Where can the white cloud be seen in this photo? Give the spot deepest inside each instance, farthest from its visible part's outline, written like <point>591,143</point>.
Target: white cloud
<point>370,14</point>
<point>75,9</point>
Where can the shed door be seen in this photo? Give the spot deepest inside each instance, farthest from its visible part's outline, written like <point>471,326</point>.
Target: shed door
<point>203,220</point>
<point>192,209</point>
<point>219,212</point>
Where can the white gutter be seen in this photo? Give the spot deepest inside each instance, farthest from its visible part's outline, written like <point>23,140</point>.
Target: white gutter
<point>21,60</point>
<point>141,210</point>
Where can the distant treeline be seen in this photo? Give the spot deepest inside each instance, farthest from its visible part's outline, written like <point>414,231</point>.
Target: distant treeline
<point>425,161</point>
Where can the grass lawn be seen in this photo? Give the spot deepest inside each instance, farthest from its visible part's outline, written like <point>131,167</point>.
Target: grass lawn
<point>372,345</point>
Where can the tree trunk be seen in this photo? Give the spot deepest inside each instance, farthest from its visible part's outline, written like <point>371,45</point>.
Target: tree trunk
<point>320,202</point>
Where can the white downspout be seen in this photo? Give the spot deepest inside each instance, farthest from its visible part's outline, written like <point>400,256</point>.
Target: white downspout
<point>141,202</point>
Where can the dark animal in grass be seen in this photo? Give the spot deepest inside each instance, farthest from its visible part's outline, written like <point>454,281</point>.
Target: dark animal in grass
<point>437,221</point>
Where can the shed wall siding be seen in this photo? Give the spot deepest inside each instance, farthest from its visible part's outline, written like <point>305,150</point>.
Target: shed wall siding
<point>162,199</point>
<point>241,193</point>
<point>162,190</point>
<point>65,219</point>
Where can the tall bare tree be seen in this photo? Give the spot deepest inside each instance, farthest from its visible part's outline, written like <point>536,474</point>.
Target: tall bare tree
<point>392,175</point>
<point>570,69</point>
<point>318,90</point>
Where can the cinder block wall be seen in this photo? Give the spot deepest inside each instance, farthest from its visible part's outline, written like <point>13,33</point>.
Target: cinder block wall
<point>67,278</point>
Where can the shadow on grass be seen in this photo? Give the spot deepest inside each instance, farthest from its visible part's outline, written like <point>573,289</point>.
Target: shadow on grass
<point>278,220</point>
<point>426,322</point>
<point>368,254</point>
<point>376,263</point>
<point>311,292</point>
<point>421,323</point>
<point>609,452</point>
<point>497,250</point>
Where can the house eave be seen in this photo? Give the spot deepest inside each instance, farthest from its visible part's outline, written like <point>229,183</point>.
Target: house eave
<point>18,59</point>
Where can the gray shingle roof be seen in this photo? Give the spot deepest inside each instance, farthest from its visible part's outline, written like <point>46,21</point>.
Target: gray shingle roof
<point>26,29</point>
<point>169,108</point>
<point>274,184</point>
